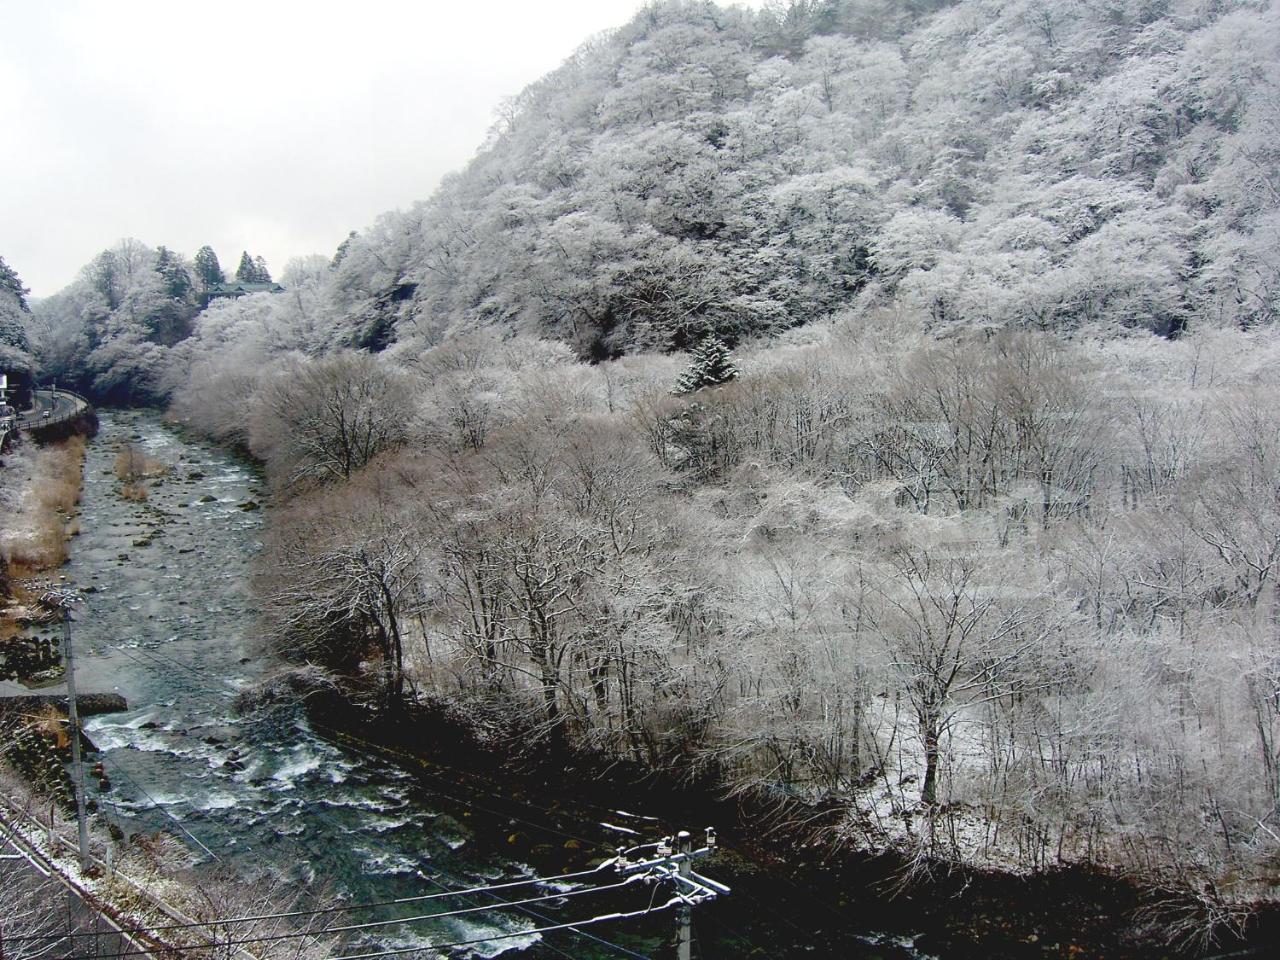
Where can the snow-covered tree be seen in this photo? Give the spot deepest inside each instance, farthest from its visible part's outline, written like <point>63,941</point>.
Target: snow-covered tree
<point>711,365</point>
<point>208,270</point>
<point>252,269</point>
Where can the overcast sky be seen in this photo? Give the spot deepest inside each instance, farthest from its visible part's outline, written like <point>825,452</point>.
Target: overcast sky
<point>275,126</point>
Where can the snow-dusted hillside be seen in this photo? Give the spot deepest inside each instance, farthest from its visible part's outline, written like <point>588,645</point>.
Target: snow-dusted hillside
<point>1110,164</point>
<point>1097,164</point>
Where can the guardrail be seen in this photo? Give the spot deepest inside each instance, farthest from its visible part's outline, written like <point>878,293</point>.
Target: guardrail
<point>40,422</point>
<point>72,393</point>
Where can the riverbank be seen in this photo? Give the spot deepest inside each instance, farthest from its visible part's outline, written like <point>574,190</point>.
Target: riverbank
<point>781,859</point>
<point>44,487</point>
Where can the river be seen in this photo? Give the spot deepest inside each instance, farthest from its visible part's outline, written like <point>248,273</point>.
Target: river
<point>168,620</point>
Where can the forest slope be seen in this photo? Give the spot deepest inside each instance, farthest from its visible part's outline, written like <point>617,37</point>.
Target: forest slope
<point>1111,164</point>
<point>1096,164</point>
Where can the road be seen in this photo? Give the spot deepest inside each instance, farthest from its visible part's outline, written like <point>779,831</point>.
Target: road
<point>51,406</point>
<point>58,404</point>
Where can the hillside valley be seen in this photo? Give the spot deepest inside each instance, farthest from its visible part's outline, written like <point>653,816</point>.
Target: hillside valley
<point>860,414</point>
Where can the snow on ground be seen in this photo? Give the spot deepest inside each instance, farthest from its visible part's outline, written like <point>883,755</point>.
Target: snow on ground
<point>889,813</point>
<point>18,504</point>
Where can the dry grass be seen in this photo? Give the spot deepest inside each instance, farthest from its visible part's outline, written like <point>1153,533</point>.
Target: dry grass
<point>134,490</point>
<point>134,468</point>
<point>133,465</point>
<point>43,549</point>
<point>62,470</point>
<point>35,540</point>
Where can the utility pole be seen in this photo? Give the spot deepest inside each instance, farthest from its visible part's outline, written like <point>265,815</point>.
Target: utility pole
<point>684,912</point>
<point>674,862</point>
<point>63,601</point>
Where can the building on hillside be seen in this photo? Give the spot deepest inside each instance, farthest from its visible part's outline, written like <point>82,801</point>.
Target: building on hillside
<point>240,288</point>
<point>16,388</point>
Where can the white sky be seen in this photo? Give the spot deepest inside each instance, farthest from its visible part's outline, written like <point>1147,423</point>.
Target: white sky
<point>275,126</point>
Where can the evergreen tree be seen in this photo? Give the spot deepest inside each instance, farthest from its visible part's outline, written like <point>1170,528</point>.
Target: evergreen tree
<point>170,321</point>
<point>341,253</point>
<point>710,366</point>
<point>252,269</point>
<point>208,270</point>
<point>15,348</point>
<point>9,283</point>
<point>14,345</point>
<point>177,279</point>
<point>107,276</point>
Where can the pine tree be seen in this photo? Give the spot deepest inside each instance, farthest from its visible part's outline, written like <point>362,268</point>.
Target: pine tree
<point>260,272</point>
<point>10,283</point>
<point>14,345</point>
<point>173,272</point>
<point>15,349</point>
<point>252,269</point>
<point>710,366</point>
<point>208,270</point>
<point>341,252</point>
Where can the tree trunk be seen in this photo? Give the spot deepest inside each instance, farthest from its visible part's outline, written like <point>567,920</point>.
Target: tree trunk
<point>929,724</point>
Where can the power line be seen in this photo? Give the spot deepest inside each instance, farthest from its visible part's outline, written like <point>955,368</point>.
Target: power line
<point>155,659</point>
<point>669,865</point>
<point>691,888</point>
<point>381,749</point>
<point>152,650</point>
<point>366,906</point>
<point>375,924</point>
<point>473,774</point>
<point>348,739</point>
<point>152,800</point>
<point>604,918</point>
<point>522,909</point>
<point>543,917</point>
<point>506,904</point>
<point>488,891</point>
<point>188,689</point>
